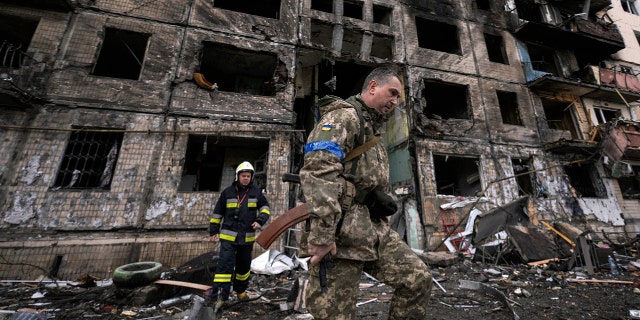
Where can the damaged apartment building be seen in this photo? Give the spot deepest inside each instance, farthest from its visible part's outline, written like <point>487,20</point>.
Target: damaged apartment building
<point>122,120</point>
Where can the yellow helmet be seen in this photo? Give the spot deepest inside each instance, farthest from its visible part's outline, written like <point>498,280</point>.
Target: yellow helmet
<point>244,167</point>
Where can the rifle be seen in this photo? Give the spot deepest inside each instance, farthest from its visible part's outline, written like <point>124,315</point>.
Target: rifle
<point>287,220</point>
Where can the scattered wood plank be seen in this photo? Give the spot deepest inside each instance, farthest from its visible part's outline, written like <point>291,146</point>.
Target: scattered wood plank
<point>184,284</point>
<point>537,263</point>
<point>603,281</point>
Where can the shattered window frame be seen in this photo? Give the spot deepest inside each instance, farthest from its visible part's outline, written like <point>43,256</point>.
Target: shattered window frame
<point>630,185</point>
<point>15,37</point>
<point>446,100</point>
<point>243,71</point>
<point>438,41</point>
<point>525,179</point>
<point>89,160</point>
<point>585,180</point>
<point>604,115</point>
<point>496,49</point>
<point>121,54</point>
<point>210,161</point>
<point>456,173</point>
<point>509,108</point>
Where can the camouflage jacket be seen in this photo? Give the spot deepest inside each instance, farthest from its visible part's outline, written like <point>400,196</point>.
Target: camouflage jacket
<point>333,137</point>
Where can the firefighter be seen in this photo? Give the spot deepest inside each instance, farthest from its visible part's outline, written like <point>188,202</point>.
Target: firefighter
<point>241,210</point>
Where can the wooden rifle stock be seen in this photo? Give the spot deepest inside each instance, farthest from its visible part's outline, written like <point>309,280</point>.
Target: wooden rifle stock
<point>279,225</point>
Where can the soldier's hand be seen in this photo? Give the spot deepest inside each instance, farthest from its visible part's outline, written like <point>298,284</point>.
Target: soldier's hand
<point>318,252</point>
<point>214,238</point>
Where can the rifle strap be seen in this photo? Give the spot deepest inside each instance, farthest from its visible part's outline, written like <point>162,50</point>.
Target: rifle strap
<point>361,149</point>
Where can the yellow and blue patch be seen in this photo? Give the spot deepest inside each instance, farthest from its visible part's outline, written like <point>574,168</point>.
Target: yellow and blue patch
<point>327,127</point>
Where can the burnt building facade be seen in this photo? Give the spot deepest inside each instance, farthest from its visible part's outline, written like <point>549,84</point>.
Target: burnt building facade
<point>123,120</point>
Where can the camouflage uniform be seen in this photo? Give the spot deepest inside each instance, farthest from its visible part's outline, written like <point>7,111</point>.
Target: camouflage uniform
<point>363,243</point>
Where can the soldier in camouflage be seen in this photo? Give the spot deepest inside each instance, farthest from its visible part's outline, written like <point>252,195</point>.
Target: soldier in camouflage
<point>340,223</point>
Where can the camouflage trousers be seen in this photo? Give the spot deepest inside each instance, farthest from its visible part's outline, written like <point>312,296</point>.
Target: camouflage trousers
<point>397,266</point>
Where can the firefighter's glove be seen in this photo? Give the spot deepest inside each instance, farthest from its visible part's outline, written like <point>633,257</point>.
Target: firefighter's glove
<point>380,204</point>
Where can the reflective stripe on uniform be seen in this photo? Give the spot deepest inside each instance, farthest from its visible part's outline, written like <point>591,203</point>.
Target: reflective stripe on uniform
<point>222,278</point>
<point>265,210</point>
<point>252,203</point>
<point>328,146</point>
<point>243,277</point>
<point>250,237</point>
<point>228,235</point>
<point>215,220</point>
<point>232,203</point>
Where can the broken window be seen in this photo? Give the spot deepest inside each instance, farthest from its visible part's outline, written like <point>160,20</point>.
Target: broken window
<point>522,170</point>
<point>630,185</point>
<point>457,176</point>
<point>382,47</point>
<point>382,14</point>
<point>483,4</point>
<point>542,58</point>
<point>322,5</point>
<point>630,6</point>
<point>15,37</point>
<point>584,178</point>
<point>508,103</point>
<point>241,71</point>
<point>353,9</point>
<point>446,100</point>
<point>121,55</point>
<point>210,161</point>
<point>89,160</point>
<point>262,8</point>
<point>495,48</point>
<point>351,43</point>
<point>560,116</point>
<point>321,33</point>
<point>445,39</point>
<point>604,115</point>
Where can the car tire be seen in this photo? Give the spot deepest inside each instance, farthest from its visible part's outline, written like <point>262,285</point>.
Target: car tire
<point>137,274</point>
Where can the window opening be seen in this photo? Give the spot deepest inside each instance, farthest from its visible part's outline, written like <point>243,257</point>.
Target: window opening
<point>524,180</point>
<point>241,71</point>
<point>382,14</point>
<point>630,185</point>
<point>351,43</point>
<point>604,115</point>
<point>542,58</point>
<point>89,160</point>
<point>353,9</point>
<point>585,180</point>
<point>508,103</point>
<point>630,6</point>
<point>445,39</point>
<point>15,37</point>
<point>446,100</point>
<point>322,5</point>
<point>121,55</point>
<point>210,161</point>
<point>457,176</point>
<point>495,48</point>
<point>321,33</point>
<point>262,8</point>
<point>559,117</point>
<point>382,47</point>
<point>483,4</point>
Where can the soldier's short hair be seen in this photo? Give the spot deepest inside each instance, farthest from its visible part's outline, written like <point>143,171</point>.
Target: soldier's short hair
<point>382,75</point>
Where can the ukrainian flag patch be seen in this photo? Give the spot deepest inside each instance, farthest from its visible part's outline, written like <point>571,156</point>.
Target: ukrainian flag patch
<point>327,127</point>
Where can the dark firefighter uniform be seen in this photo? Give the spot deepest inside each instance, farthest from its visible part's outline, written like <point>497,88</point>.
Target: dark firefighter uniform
<point>235,211</point>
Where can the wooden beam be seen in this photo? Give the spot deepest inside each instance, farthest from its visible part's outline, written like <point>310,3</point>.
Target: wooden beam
<point>184,284</point>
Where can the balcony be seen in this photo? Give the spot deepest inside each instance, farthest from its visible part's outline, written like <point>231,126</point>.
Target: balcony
<point>592,82</point>
<point>621,140</point>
